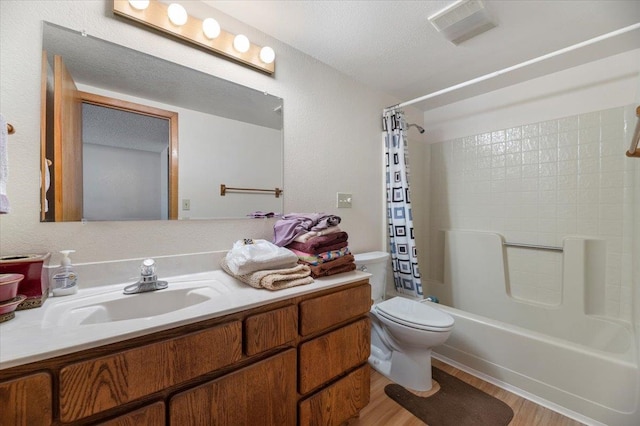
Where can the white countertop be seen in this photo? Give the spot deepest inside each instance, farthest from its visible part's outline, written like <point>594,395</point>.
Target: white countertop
<point>52,330</point>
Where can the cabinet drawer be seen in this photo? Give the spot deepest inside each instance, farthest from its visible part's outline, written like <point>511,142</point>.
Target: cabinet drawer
<point>92,386</point>
<point>152,415</point>
<point>325,311</point>
<point>261,394</point>
<point>332,354</point>
<point>270,329</point>
<point>26,401</point>
<point>338,402</point>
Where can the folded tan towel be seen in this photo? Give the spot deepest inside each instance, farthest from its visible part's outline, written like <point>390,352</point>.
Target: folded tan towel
<point>273,279</point>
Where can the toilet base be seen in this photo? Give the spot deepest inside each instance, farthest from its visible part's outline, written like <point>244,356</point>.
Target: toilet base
<point>410,370</point>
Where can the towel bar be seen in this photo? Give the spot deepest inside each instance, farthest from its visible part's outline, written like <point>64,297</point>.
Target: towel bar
<point>533,246</point>
<point>224,188</point>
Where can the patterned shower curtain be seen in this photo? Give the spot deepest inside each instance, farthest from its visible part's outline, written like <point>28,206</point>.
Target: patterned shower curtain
<point>404,258</point>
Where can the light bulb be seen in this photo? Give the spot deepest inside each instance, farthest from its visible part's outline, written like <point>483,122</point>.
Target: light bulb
<point>267,55</point>
<point>177,14</point>
<point>211,28</point>
<point>139,4</point>
<point>241,43</point>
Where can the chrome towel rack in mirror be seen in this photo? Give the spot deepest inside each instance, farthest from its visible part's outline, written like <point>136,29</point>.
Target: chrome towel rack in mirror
<point>224,189</point>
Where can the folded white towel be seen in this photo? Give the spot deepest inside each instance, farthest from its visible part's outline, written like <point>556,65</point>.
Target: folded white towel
<point>4,166</point>
<point>47,183</point>
<point>249,256</point>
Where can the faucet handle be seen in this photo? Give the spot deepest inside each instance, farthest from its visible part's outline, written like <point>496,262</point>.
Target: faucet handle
<point>148,279</point>
<point>148,268</point>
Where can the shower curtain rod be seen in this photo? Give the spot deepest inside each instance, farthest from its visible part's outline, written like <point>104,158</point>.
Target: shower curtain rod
<point>515,67</point>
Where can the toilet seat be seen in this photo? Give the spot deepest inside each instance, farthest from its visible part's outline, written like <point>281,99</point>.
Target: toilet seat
<point>414,314</point>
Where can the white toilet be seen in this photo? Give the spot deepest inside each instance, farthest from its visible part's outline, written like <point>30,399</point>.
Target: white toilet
<point>403,331</point>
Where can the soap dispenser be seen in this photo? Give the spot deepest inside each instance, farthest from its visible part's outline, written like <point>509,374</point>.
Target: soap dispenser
<point>65,278</point>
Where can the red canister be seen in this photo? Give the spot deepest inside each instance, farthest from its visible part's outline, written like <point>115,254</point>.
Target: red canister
<point>35,285</point>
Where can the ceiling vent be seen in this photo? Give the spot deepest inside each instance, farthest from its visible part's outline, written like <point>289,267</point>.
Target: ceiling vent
<point>462,20</point>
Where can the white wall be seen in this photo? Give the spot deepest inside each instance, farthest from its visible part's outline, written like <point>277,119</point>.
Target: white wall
<point>603,84</point>
<point>332,139</point>
<point>216,150</point>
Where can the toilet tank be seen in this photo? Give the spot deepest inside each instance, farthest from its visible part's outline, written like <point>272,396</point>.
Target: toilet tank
<point>375,263</point>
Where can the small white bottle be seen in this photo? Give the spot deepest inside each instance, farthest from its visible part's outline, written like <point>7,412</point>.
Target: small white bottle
<point>65,278</point>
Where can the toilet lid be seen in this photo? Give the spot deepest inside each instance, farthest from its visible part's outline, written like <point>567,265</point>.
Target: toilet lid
<point>415,314</point>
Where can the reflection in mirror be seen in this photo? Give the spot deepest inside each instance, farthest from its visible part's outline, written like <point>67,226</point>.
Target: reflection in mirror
<point>142,138</point>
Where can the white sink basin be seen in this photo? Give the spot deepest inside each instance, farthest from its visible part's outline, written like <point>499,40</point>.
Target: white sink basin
<point>115,306</point>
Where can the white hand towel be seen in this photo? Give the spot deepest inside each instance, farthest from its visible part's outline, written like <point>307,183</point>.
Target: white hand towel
<point>47,183</point>
<point>4,166</point>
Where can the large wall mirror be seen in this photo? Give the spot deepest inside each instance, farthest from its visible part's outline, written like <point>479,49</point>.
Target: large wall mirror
<point>129,136</point>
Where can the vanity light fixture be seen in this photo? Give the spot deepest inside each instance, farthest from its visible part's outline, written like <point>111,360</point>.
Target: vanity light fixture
<point>210,28</point>
<point>177,14</point>
<point>139,4</point>
<point>267,55</point>
<point>175,21</point>
<point>241,43</point>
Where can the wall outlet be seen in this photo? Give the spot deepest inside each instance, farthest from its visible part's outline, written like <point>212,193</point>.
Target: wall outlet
<point>344,200</point>
<point>186,204</point>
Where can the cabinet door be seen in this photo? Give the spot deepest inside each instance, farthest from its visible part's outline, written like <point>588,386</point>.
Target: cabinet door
<point>96,385</point>
<point>339,402</point>
<point>271,329</point>
<point>26,401</point>
<point>151,415</point>
<point>262,394</point>
<point>326,311</point>
<point>333,354</point>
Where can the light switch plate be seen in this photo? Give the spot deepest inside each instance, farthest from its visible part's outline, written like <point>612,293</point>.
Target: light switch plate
<point>344,200</point>
<point>186,204</point>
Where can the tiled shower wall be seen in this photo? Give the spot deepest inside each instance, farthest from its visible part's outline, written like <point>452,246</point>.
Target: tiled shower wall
<point>537,184</point>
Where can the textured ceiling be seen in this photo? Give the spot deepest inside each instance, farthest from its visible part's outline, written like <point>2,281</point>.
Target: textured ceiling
<point>109,66</point>
<point>123,129</point>
<point>392,46</point>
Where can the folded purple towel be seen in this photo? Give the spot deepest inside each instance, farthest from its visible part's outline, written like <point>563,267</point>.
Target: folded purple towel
<point>293,225</point>
<point>321,244</point>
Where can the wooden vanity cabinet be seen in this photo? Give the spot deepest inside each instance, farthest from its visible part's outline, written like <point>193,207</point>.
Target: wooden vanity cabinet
<point>27,400</point>
<point>302,360</point>
<point>153,414</point>
<point>96,385</point>
<point>333,373</point>
<point>260,394</point>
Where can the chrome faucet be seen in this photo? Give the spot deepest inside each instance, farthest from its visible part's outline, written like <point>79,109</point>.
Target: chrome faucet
<point>148,279</point>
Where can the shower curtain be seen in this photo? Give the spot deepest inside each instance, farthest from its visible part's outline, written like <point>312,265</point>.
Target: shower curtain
<point>404,258</point>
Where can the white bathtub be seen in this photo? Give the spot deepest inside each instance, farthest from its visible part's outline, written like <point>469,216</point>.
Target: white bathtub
<point>596,384</point>
<point>582,364</point>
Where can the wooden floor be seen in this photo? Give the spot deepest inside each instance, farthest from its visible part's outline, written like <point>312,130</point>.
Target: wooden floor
<point>383,411</point>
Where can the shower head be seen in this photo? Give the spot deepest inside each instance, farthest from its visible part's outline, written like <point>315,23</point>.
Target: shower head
<point>420,129</point>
